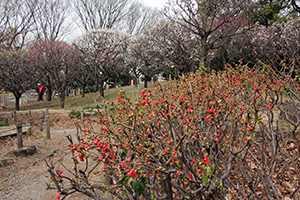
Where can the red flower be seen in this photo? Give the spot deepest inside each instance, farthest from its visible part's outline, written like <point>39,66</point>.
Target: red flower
<point>190,176</point>
<point>131,173</point>
<point>58,197</point>
<point>207,118</point>
<point>60,172</point>
<point>248,138</point>
<point>80,157</point>
<point>206,160</point>
<point>212,110</point>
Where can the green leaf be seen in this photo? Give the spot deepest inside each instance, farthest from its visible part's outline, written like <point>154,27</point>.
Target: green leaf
<point>124,191</point>
<point>120,152</point>
<point>213,168</point>
<point>205,180</point>
<point>142,111</point>
<point>138,187</point>
<point>124,180</point>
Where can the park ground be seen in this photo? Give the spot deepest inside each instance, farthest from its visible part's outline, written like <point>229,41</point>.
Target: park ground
<point>24,178</point>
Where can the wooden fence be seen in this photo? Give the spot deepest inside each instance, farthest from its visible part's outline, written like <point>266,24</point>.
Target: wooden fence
<point>20,128</point>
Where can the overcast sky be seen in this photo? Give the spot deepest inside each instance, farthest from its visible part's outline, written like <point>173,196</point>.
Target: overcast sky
<point>154,3</point>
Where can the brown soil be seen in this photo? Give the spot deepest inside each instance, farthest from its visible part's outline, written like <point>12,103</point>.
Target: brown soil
<point>25,178</point>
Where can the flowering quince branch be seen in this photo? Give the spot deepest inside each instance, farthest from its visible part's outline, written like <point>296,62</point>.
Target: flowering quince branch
<point>204,136</point>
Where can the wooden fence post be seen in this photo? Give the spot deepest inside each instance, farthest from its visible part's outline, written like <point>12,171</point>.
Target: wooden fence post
<point>29,112</point>
<point>47,127</point>
<point>82,115</point>
<point>19,134</point>
<point>41,122</point>
<point>15,116</point>
<point>29,129</point>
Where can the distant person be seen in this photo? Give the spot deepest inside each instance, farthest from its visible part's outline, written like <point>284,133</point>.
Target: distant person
<point>41,92</point>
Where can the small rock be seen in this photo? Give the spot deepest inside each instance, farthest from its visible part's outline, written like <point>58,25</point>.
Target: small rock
<point>20,152</point>
<point>31,150</point>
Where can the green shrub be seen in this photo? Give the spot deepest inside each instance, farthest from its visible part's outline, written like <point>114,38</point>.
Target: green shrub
<point>3,124</point>
<point>75,113</point>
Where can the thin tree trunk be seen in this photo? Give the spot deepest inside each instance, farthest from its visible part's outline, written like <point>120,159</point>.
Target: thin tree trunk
<point>83,90</point>
<point>49,93</point>
<point>136,81</point>
<point>17,103</point>
<point>101,89</point>
<point>62,99</point>
<point>146,82</point>
<point>62,91</point>
<point>204,52</point>
<point>97,85</point>
<point>49,88</point>
<point>17,97</point>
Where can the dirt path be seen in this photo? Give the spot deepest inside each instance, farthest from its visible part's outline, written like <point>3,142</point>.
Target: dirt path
<point>39,111</point>
<point>25,179</point>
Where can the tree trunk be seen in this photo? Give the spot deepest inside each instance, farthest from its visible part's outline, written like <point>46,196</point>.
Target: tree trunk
<point>83,90</point>
<point>17,103</point>
<point>49,88</point>
<point>62,90</point>
<point>62,99</point>
<point>146,82</point>
<point>49,93</point>
<point>101,89</point>
<point>39,96</point>
<point>167,187</point>
<point>136,81</point>
<point>97,84</point>
<point>204,52</point>
<point>17,97</point>
<point>176,73</point>
<point>115,82</point>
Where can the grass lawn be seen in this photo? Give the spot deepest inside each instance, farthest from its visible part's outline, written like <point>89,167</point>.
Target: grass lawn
<point>77,102</point>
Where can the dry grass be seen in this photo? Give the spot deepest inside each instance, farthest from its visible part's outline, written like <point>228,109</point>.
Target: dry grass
<point>77,102</point>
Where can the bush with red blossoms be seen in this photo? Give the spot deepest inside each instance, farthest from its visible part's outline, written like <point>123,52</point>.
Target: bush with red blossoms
<point>209,135</point>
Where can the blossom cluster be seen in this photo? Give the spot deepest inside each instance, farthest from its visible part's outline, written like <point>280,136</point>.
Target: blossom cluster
<point>196,137</point>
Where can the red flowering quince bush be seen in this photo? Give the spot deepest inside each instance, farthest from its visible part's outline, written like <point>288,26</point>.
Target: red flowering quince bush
<point>209,135</point>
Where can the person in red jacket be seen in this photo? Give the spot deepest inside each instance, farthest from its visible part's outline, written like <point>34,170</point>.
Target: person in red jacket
<point>41,92</point>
